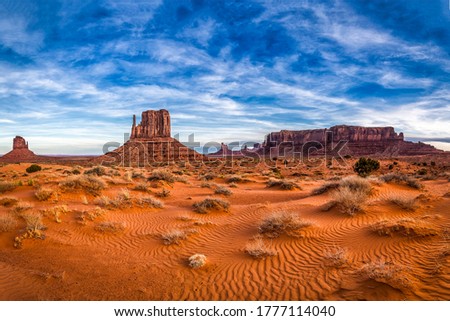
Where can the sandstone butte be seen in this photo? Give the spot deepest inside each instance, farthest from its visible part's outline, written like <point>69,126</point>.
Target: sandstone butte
<point>151,143</point>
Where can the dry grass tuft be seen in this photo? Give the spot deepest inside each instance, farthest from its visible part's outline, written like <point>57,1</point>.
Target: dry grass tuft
<point>141,187</point>
<point>21,207</point>
<point>90,184</point>
<point>197,261</point>
<point>208,204</point>
<point>280,223</point>
<point>407,227</point>
<point>163,193</point>
<point>258,249</point>
<point>91,215</point>
<point>386,272</point>
<point>57,211</point>
<point>149,202</point>
<point>325,188</point>
<point>350,200</point>
<point>357,184</point>
<point>282,184</point>
<point>110,227</point>
<point>8,201</point>
<point>401,178</point>
<point>222,190</point>
<point>7,223</point>
<point>161,175</point>
<point>44,194</point>
<point>336,256</point>
<point>33,221</point>
<point>7,187</point>
<point>402,201</point>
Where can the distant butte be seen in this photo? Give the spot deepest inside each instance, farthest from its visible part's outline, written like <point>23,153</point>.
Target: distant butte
<point>150,143</point>
<point>20,152</point>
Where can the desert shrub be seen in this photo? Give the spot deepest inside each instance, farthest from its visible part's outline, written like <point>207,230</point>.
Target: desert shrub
<point>197,261</point>
<point>350,201</point>
<point>325,188</point>
<point>233,185</point>
<point>142,188</point>
<point>33,221</point>
<point>407,227</point>
<point>208,177</point>
<point>110,227</point>
<point>364,166</point>
<point>282,184</point>
<point>336,256</point>
<point>7,187</point>
<point>173,237</point>
<point>386,272</point>
<point>234,179</point>
<point>8,201</point>
<point>422,171</point>
<point>89,184</point>
<point>160,175</point>
<point>402,201</point>
<point>149,202</point>
<point>91,215</point>
<point>163,193</point>
<point>206,185</point>
<point>137,175</point>
<point>208,204</point>
<point>57,211</point>
<point>222,190</point>
<point>280,223</point>
<point>98,171</point>
<point>7,223</point>
<point>391,166</point>
<point>258,249</point>
<point>34,168</point>
<point>76,172</point>
<point>401,178</point>
<point>21,207</point>
<point>44,194</point>
<point>122,200</point>
<point>356,184</point>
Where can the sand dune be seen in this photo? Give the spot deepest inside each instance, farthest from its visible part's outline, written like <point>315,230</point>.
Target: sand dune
<point>337,257</point>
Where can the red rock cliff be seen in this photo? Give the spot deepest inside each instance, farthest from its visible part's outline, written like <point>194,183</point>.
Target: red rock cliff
<point>154,123</point>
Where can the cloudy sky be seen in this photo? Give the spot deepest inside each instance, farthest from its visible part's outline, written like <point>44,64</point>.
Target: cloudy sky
<point>72,73</point>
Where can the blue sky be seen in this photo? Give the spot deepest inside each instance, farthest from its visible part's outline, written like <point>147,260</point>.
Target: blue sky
<point>72,73</point>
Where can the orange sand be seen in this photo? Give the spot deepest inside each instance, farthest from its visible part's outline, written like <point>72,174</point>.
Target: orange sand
<point>76,262</point>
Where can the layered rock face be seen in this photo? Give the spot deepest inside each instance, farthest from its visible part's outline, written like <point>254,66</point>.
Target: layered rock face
<point>150,143</point>
<point>154,123</point>
<point>20,152</point>
<point>358,141</point>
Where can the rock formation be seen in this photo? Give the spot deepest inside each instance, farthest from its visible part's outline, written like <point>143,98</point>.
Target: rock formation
<point>150,143</point>
<point>355,141</point>
<point>154,123</point>
<point>20,152</point>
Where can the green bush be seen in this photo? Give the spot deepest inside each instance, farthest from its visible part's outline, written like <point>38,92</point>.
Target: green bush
<point>364,166</point>
<point>34,168</point>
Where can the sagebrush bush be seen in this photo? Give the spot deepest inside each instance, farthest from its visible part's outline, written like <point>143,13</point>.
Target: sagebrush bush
<point>208,204</point>
<point>364,166</point>
<point>98,171</point>
<point>33,168</point>
<point>44,194</point>
<point>87,183</point>
<point>8,201</point>
<point>401,178</point>
<point>222,190</point>
<point>7,223</point>
<point>279,223</point>
<point>160,175</point>
<point>336,256</point>
<point>197,261</point>
<point>173,237</point>
<point>350,201</point>
<point>149,202</point>
<point>7,187</point>
<point>282,184</point>
<point>258,249</point>
<point>110,227</point>
<point>402,201</point>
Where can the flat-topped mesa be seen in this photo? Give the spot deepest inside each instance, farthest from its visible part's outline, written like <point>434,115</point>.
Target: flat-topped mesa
<point>359,140</point>
<point>19,143</point>
<point>154,124</point>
